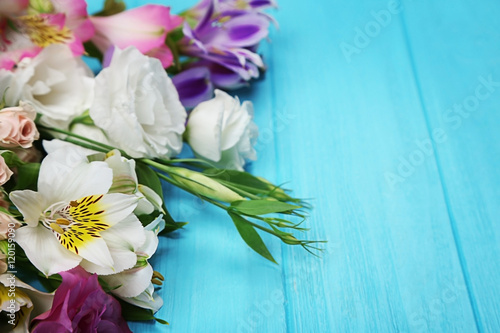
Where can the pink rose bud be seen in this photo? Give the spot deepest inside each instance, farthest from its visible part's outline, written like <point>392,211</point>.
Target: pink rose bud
<point>17,126</point>
<point>5,172</point>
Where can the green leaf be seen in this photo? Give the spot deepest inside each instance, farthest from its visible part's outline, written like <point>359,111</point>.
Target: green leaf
<point>170,227</point>
<point>135,313</point>
<point>112,7</point>
<point>262,207</point>
<point>27,176</point>
<point>251,237</point>
<point>148,177</point>
<point>92,51</point>
<point>239,177</point>
<point>11,159</point>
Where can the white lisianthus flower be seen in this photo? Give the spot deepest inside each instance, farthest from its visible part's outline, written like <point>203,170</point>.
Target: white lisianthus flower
<point>138,107</point>
<point>222,131</point>
<point>57,84</point>
<point>73,219</point>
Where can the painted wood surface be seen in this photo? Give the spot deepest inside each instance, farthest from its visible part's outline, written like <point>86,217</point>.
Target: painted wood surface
<point>386,113</point>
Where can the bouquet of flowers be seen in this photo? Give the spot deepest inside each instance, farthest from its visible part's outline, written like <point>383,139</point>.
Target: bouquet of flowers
<point>83,156</point>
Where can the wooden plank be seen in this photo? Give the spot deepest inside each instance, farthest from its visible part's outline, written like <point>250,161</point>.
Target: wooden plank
<point>393,262</point>
<point>456,56</point>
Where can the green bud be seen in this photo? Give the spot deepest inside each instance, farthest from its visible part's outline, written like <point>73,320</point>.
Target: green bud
<point>290,240</point>
<point>203,185</point>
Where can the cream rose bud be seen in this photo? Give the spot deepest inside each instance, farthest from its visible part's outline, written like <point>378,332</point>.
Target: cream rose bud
<point>222,131</point>
<point>59,86</point>
<point>138,107</point>
<point>17,126</point>
<point>5,172</point>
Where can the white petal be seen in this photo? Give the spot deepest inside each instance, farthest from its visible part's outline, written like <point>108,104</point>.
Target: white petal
<point>66,175</point>
<point>30,204</point>
<point>204,129</point>
<point>122,240</point>
<point>150,245</point>
<point>117,207</point>
<point>96,251</point>
<point>148,299</point>
<point>44,251</point>
<point>132,282</point>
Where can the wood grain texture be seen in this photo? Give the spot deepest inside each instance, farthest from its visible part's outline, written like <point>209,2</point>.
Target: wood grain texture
<point>354,113</point>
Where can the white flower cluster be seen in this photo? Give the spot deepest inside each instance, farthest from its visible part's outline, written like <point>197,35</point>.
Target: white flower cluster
<point>133,105</point>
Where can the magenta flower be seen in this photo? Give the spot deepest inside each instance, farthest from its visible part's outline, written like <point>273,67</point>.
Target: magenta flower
<point>225,37</point>
<point>80,305</point>
<point>145,28</point>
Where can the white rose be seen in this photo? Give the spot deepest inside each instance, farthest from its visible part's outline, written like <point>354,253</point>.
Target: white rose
<point>222,131</point>
<point>59,86</point>
<point>138,107</point>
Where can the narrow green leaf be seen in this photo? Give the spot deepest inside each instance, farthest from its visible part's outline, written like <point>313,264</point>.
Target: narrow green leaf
<point>262,207</point>
<point>238,177</point>
<point>148,177</point>
<point>251,237</point>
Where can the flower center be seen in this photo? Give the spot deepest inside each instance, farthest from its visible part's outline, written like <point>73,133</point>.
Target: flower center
<point>42,32</point>
<point>78,223</point>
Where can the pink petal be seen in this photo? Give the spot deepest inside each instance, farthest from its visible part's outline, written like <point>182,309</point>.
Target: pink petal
<point>162,53</point>
<point>145,28</point>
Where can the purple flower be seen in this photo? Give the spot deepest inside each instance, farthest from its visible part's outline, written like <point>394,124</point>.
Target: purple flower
<point>193,86</point>
<point>80,305</point>
<point>225,36</point>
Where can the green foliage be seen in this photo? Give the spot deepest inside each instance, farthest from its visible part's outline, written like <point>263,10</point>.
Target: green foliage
<point>27,177</point>
<point>251,237</point>
<point>135,313</point>
<point>262,207</point>
<point>112,7</point>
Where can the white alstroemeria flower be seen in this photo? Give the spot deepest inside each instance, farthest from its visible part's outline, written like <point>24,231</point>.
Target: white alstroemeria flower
<point>124,176</point>
<point>59,85</point>
<point>73,219</point>
<point>138,107</point>
<point>134,285</point>
<point>222,131</point>
<point>21,303</point>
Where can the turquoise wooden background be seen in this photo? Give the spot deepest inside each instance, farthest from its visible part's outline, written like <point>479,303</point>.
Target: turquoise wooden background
<point>387,114</point>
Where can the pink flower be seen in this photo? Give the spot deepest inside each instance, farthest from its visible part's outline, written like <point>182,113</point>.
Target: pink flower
<point>17,126</point>
<point>145,28</point>
<point>80,305</point>
<point>46,23</point>
<point>5,172</point>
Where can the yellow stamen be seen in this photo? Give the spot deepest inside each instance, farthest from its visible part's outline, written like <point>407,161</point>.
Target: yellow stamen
<point>224,19</point>
<point>156,281</point>
<point>42,33</point>
<point>57,228</point>
<point>157,275</point>
<point>73,203</point>
<point>62,222</point>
